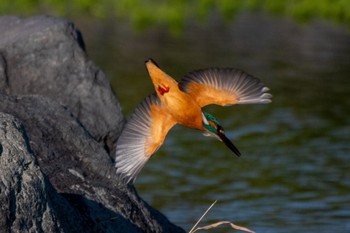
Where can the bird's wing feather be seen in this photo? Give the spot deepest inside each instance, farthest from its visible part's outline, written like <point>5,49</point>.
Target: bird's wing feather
<point>224,86</point>
<point>143,134</point>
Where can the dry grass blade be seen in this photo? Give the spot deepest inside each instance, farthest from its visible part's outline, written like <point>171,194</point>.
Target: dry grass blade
<point>200,219</point>
<point>234,226</point>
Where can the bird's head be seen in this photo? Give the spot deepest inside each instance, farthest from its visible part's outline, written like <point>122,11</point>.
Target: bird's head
<point>213,128</point>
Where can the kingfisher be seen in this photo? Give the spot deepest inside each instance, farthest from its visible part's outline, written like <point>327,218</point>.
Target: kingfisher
<point>181,103</point>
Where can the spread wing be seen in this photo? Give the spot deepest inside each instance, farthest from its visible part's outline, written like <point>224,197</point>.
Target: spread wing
<point>224,86</point>
<point>142,135</point>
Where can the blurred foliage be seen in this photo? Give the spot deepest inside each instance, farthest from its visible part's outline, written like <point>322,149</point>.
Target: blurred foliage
<point>174,13</point>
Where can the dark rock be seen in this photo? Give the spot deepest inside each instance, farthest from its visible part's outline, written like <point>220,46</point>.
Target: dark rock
<point>70,120</point>
<point>45,56</point>
<point>28,201</point>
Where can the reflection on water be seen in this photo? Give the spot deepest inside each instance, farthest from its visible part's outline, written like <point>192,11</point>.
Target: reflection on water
<point>294,174</point>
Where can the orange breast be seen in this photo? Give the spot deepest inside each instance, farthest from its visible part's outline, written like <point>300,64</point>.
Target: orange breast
<point>183,108</point>
<point>180,105</point>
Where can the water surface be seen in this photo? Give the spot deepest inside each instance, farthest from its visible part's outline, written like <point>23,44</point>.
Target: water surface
<point>293,175</point>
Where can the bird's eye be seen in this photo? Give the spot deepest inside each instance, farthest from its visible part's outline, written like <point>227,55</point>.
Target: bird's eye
<point>220,129</point>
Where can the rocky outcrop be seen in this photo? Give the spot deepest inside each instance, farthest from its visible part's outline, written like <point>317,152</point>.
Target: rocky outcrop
<point>28,201</point>
<point>59,121</point>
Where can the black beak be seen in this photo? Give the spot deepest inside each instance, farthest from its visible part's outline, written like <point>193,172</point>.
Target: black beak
<point>228,143</point>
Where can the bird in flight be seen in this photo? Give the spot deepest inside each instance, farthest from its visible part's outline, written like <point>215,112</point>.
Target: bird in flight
<point>181,103</point>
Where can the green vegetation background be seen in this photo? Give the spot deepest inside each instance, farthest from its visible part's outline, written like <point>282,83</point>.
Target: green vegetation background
<point>174,13</point>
